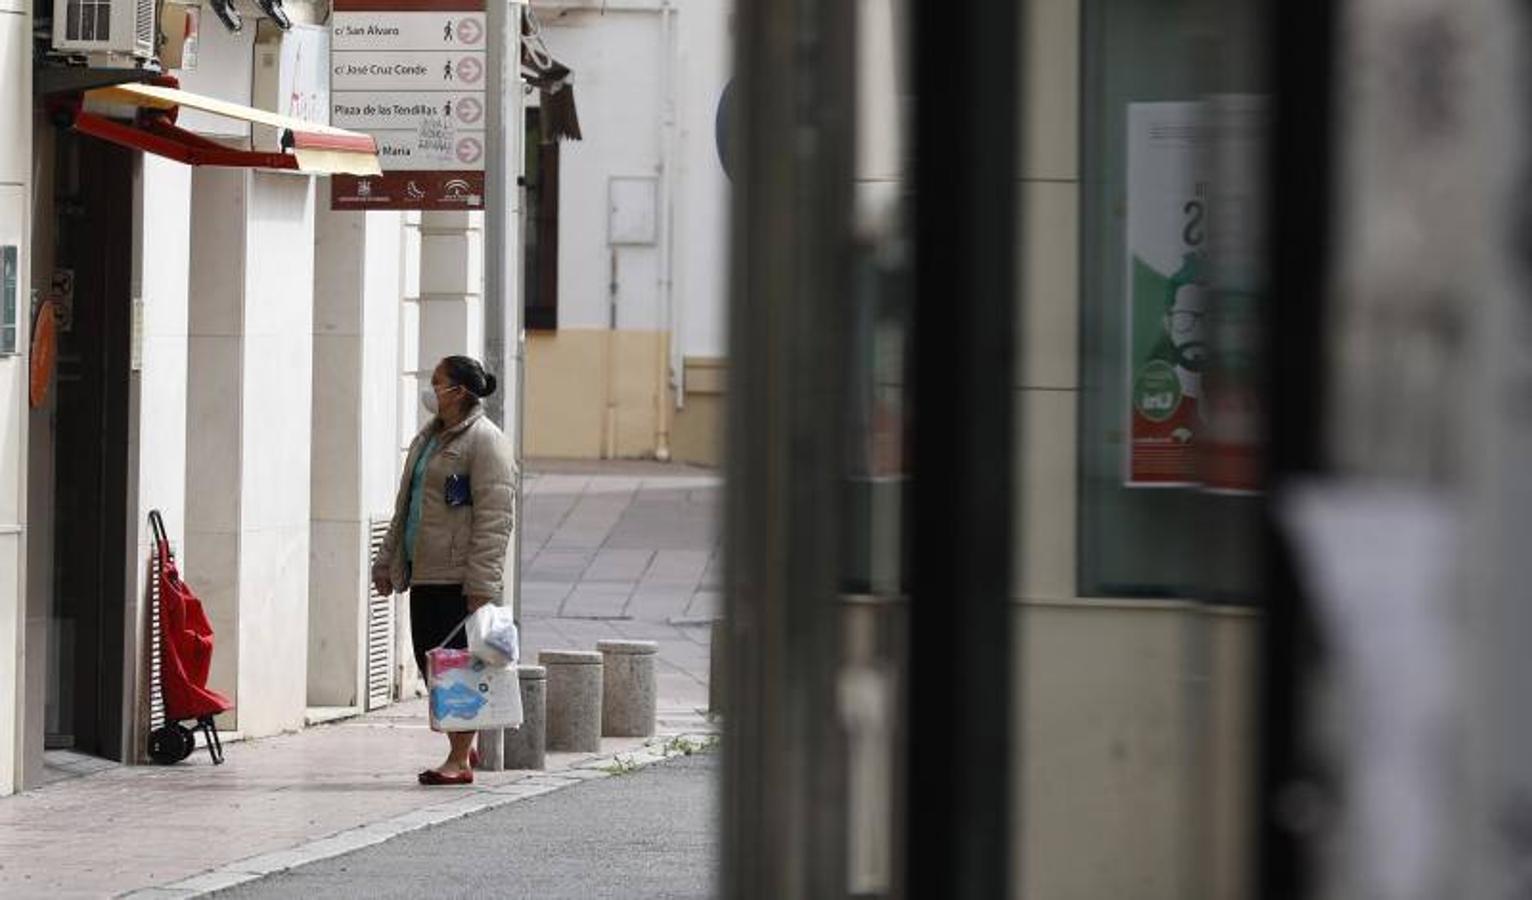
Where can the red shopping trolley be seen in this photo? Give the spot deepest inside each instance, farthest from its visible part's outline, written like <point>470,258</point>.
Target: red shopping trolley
<point>179,688</point>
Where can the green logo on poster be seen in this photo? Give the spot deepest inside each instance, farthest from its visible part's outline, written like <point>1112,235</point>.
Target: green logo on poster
<point>1156,391</point>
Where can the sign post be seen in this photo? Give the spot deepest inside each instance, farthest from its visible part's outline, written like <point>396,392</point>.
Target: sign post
<point>413,74</point>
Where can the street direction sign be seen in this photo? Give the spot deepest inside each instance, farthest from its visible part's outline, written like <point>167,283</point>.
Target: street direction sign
<point>412,74</point>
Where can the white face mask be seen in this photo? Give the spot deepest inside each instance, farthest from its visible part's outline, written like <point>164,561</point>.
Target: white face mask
<point>428,399</point>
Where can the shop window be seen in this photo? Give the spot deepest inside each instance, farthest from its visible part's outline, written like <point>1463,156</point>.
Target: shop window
<point>540,234</point>
<point>1165,509</point>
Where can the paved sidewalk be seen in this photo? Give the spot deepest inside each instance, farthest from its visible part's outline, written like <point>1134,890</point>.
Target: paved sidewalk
<point>626,550</point>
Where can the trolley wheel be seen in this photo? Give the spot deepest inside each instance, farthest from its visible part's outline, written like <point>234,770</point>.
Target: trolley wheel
<point>171,743</point>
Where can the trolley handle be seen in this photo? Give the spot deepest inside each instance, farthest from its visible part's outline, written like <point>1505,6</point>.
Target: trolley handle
<point>157,522</point>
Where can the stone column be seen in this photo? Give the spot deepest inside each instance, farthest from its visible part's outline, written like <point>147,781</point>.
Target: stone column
<point>450,310</point>
<point>248,436</point>
<point>357,286</point>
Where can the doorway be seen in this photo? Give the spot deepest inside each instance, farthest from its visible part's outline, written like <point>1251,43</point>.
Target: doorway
<point>86,693</point>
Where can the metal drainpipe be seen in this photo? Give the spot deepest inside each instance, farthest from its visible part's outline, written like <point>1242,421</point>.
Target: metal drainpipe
<point>609,444</point>
<point>667,236</point>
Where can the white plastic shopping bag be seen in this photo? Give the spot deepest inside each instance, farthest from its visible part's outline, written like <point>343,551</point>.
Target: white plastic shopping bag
<point>492,635</point>
<point>469,694</point>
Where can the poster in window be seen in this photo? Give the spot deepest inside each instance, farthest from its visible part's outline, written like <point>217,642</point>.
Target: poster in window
<point>1167,292</point>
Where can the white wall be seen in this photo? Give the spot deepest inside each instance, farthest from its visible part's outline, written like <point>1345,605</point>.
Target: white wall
<point>358,279</point>
<point>224,71</point>
<point>617,59</point>
<point>277,392</point>
<point>215,374</point>
<point>634,89</point>
<point>161,273</point>
<point>248,435</point>
<point>15,165</point>
<point>382,292</point>
<point>705,46</point>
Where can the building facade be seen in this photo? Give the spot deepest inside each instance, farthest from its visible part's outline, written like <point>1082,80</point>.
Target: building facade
<point>230,352</point>
<point>626,357</point>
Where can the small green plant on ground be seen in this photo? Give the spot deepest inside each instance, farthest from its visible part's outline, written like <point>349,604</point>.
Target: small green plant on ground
<point>620,766</point>
<point>682,745</point>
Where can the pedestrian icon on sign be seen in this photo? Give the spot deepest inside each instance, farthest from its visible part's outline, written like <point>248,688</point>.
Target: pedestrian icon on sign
<point>447,71</point>
<point>448,111</point>
<point>447,34</point>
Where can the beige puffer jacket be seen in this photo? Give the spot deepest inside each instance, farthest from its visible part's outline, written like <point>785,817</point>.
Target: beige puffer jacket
<point>463,544</point>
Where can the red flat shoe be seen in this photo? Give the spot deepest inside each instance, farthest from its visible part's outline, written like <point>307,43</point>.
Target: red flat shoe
<point>433,778</point>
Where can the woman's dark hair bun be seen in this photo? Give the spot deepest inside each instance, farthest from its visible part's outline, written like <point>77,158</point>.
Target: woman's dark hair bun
<point>469,372</point>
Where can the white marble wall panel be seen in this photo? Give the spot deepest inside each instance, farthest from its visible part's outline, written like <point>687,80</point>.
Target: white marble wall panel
<point>337,441</point>
<point>212,438</point>
<point>273,629</point>
<point>161,276</point>
<point>249,434</point>
<point>409,336</point>
<point>410,255</point>
<point>412,416</point>
<point>358,284</point>
<point>387,252</point>
<point>449,328</point>
<point>163,266</point>
<point>15,97</point>
<point>15,689</point>
<point>217,242</point>
<point>337,623</point>
<point>212,566</point>
<point>451,262</point>
<point>11,659</point>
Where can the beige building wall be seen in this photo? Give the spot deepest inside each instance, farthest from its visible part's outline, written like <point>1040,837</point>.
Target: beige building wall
<point>697,432</point>
<point>1134,719</point>
<point>597,394</point>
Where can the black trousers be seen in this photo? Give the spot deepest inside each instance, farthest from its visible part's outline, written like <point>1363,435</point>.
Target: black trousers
<point>435,610</point>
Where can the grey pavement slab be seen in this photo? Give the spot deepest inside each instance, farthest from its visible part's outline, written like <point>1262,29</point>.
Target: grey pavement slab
<point>676,568</point>
<point>619,565</point>
<point>650,604</point>
<point>650,833</point>
<point>596,601</point>
<point>559,564</point>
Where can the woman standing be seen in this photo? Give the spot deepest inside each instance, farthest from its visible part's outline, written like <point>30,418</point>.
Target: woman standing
<point>451,525</point>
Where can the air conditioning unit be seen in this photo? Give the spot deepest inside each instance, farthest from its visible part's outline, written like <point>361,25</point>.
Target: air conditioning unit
<point>121,28</point>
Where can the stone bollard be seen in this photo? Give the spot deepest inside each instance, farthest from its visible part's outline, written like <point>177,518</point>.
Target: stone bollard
<point>491,750</point>
<point>627,688</point>
<point>525,747</point>
<point>574,700</point>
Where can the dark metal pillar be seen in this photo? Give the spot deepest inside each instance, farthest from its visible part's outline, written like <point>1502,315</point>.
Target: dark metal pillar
<point>1302,55</point>
<point>959,842</point>
<point>784,796</point>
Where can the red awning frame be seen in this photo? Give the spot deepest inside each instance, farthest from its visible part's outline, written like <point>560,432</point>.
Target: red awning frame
<point>153,129</point>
